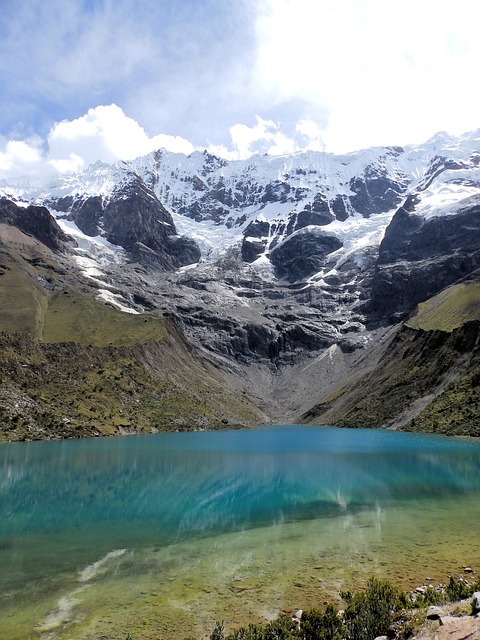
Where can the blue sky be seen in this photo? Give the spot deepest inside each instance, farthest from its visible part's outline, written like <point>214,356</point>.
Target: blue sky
<point>89,79</point>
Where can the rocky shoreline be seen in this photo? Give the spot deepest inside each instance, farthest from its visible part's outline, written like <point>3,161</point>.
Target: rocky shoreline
<point>452,621</point>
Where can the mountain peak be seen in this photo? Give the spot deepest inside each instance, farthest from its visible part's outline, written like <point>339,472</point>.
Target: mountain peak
<point>293,264</point>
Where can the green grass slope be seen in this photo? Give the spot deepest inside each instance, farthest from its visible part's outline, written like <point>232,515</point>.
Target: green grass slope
<point>428,378</point>
<point>72,366</point>
<point>448,310</point>
<point>22,302</point>
<point>72,316</point>
<point>72,390</point>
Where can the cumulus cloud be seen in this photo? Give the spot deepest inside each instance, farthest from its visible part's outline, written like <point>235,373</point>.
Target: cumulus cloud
<point>20,157</point>
<point>319,74</point>
<point>105,133</point>
<point>264,136</point>
<point>267,136</point>
<point>311,134</point>
<point>179,68</point>
<point>386,73</point>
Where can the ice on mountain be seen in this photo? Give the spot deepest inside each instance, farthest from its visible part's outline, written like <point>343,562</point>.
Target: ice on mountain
<point>115,300</point>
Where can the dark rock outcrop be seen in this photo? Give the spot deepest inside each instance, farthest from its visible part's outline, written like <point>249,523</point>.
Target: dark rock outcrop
<point>133,218</point>
<point>36,222</point>
<point>376,191</point>
<point>417,369</point>
<point>419,257</point>
<point>303,254</point>
<point>255,240</point>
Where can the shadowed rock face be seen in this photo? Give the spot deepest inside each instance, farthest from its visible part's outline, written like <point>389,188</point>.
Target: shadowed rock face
<point>36,222</point>
<point>419,257</point>
<point>133,217</point>
<point>303,254</point>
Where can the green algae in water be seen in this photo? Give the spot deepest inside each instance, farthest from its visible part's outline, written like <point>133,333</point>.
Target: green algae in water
<point>162,535</point>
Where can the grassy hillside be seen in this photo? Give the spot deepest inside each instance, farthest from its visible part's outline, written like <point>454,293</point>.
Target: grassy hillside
<point>73,366</point>
<point>22,302</point>
<point>428,378</point>
<point>448,310</point>
<point>71,316</point>
<point>456,411</point>
<point>71,390</point>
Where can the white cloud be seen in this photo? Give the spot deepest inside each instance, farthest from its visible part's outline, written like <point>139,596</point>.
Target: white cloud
<point>106,133</point>
<point>103,133</point>
<point>68,165</point>
<point>364,72</point>
<point>177,144</point>
<point>180,68</point>
<point>267,136</point>
<point>18,157</point>
<point>386,72</point>
<point>320,74</point>
<point>247,140</point>
<point>312,134</point>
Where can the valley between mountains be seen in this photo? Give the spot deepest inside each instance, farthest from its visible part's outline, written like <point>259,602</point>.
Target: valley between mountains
<point>181,292</point>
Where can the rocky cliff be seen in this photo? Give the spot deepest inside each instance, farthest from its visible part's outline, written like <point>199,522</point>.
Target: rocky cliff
<point>291,275</point>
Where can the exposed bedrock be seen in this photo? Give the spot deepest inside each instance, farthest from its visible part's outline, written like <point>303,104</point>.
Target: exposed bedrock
<point>303,254</point>
<point>419,257</point>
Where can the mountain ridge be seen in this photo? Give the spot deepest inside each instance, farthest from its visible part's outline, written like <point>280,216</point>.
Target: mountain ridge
<point>270,267</point>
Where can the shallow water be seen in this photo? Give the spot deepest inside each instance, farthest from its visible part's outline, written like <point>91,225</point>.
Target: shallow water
<point>160,536</point>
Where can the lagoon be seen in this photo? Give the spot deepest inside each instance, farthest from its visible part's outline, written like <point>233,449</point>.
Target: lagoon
<point>160,536</point>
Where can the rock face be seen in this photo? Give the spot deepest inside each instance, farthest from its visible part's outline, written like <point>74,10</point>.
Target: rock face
<point>36,222</point>
<point>133,218</point>
<point>293,262</point>
<point>419,257</point>
<point>376,191</point>
<point>303,254</point>
<point>425,380</point>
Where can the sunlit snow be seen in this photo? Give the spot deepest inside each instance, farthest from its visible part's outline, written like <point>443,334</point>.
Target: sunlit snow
<point>94,254</point>
<point>180,181</point>
<point>116,300</point>
<point>214,240</point>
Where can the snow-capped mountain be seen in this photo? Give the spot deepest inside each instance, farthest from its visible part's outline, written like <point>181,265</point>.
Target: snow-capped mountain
<point>289,274</point>
<point>301,252</point>
<point>262,201</point>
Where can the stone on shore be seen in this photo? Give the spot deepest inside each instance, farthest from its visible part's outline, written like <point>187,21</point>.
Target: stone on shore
<point>463,628</point>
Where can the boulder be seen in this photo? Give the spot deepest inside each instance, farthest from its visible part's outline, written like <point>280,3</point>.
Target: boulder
<point>435,613</point>
<point>476,603</point>
<point>458,628</point>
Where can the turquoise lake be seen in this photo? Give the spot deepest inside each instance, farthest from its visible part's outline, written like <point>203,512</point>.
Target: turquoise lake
<point>160,536</point>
